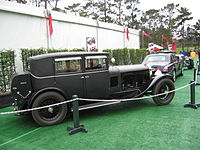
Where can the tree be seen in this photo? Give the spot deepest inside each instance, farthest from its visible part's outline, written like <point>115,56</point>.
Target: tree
<point>90,9</point>
<point>196,32</point>
<point>170,17</point>
<point>119,12</point>
<point>131,6</point>
<point>106,11</point>
<point>151,18</point>
<point>182,18</point>
<point>74,8</point>
<point>40,3</point>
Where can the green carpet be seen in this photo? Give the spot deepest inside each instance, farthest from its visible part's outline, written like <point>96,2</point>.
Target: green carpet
<point>137,125</point>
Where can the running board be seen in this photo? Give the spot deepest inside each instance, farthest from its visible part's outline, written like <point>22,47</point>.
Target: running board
<point>95,105</point>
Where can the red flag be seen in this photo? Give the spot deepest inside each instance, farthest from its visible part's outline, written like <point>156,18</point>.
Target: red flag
<point>164,38</point>
<point>50,24</point>
<point>174,40</point>
<point>145,34</point>
<point>127,33</point>
<point>156,49</point>
<point>174,47</point>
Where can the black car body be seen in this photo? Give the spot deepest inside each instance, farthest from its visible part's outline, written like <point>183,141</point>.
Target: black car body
<point>187,61</point>
<point>56,77</point>
<point>166,63</point>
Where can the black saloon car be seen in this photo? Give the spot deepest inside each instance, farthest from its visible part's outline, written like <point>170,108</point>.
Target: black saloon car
<point>165,63</point>
<point>187,61</point>
<point>56,77</point>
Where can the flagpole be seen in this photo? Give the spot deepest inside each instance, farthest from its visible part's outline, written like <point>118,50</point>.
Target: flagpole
<point>142,39</point>
<point>47,28</point>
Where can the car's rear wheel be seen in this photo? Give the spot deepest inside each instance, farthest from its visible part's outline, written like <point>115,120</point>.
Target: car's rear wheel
<point>51,115</point>
<point>163,86</point>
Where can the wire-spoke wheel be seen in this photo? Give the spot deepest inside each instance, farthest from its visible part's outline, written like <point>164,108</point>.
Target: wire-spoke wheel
<point>163,86</point>
<point>51,115</point>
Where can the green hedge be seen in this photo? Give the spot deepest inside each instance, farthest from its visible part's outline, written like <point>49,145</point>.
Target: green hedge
<point>7,69</point>
<point>26,53</point>
<point>127,56</point>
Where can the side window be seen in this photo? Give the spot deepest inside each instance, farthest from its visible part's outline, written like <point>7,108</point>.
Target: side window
<point>95,63</point>
<point>67,65</point>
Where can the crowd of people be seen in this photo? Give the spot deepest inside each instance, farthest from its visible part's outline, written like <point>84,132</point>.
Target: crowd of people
<point>191,53</point>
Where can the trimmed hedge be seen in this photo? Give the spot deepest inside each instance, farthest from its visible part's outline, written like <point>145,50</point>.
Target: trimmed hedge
<point>127,56</point>
<point>26,53</point>
<point>7,69</point>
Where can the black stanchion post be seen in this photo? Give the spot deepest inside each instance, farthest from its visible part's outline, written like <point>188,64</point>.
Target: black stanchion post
<point>195,74</point>
<point>192,92</point>
<point>192,96</point>
<point>77,127</point>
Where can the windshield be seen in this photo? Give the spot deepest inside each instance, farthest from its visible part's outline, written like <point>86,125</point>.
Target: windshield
<point>157,58</point>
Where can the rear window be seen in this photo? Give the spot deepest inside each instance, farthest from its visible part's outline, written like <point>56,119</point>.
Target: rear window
<point>68,65</point>
<point>157,58</point>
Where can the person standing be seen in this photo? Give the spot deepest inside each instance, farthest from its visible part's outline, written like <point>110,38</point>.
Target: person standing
<point>193,53</point>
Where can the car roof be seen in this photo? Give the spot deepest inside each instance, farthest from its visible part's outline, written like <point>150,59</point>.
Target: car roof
<point>65,54</point>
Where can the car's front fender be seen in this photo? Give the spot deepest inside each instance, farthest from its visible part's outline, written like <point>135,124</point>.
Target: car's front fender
<point>158,78</point>
<point>154,81</point>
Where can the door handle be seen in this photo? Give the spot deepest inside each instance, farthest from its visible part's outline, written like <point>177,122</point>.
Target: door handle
<point>87,77</point>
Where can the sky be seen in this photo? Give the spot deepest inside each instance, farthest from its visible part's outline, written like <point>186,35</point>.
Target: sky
<point>192,5</point>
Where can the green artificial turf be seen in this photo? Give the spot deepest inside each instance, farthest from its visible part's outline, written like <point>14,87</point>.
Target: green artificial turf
<point>125,126</point>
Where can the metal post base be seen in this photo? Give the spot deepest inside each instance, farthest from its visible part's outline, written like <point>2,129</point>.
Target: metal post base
<point>195,106</point>
<point>73,130</point>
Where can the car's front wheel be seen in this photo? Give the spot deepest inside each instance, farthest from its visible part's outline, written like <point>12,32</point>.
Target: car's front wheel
<point>163,86</point>
<point>51,115</point>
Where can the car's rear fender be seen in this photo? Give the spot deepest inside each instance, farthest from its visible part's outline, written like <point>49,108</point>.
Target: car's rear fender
<point>35,95</point>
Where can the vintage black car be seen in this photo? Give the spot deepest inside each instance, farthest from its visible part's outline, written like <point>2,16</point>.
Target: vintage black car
<point>166,63</point>
<point>56,77</point>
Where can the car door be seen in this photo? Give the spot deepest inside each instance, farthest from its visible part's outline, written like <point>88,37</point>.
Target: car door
<point>68,75</point>
<point>96,76</point>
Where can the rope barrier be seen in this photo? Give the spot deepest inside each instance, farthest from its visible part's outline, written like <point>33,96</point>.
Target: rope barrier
<point>134,99</point>
<point>36,108</point>
<point>95,100</point>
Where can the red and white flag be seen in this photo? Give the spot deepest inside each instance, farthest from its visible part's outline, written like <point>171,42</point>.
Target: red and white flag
<point>174,40</point>
<point>127,33</point>
<point>50,24</point>
<point>164,38</point>
<point>145,34</point>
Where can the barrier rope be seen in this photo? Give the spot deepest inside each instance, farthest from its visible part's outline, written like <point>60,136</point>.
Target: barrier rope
<point>95,100</point>
<point>36,108</point>
<point>134,99</point>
